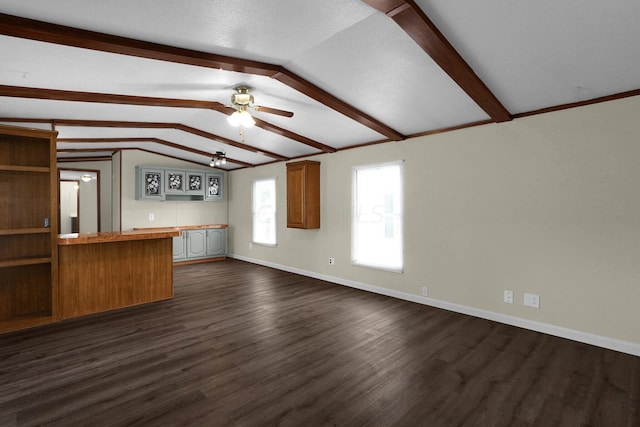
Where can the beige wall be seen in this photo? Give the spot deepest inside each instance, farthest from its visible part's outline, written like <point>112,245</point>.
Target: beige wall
<point>88,206</point>
<point>135,213</point>
<point>548,204</point>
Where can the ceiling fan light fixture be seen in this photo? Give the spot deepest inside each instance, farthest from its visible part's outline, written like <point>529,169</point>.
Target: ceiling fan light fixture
<point>246,120</point>
<point>220,158</point>
<point>241,117</point>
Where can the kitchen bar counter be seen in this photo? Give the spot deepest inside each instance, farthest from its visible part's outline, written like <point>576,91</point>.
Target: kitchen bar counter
<point>110,270</point>
<point>183,227</point>
<point>116,236</point>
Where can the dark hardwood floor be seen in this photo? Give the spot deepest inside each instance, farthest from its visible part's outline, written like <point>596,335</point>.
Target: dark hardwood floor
<point>245,345</point>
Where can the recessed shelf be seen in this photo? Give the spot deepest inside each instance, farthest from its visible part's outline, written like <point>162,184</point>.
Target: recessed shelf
<point>25,321</point>
<point>34,230</point>
<point>16,262</point>
<point>18,168</point>
<point>28,228</point>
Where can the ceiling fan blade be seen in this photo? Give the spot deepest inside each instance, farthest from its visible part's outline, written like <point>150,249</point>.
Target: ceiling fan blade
<point>269,110</point>
<point>226,109</point>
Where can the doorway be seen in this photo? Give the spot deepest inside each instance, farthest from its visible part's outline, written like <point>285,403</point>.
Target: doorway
<point>79,201</point>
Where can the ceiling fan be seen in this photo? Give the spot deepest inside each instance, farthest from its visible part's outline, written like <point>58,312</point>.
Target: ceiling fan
<point>242,100</point>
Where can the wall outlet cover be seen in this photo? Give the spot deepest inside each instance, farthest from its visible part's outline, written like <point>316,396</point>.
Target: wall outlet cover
<point>508,297</point>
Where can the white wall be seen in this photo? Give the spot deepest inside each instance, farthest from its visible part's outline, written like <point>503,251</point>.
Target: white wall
<point>88,190</point>
<point>68,205</point>
<point>548,204</point>
<point>115,191</point>
<point>135,213</point>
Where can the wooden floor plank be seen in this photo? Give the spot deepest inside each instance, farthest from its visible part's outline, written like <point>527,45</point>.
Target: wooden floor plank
<point>246,345</point>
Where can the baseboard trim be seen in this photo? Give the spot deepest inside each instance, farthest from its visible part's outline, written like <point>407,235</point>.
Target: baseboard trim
<point>559,331</point>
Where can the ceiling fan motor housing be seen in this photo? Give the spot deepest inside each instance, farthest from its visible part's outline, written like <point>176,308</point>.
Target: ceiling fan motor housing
<point>242,97</point>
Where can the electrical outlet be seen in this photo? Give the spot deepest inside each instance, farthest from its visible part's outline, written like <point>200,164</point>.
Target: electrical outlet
<point>152,217</point>
<point>332,261</point>
<point>508,297</point>
<point>532,300</point>
<point>425,291</point>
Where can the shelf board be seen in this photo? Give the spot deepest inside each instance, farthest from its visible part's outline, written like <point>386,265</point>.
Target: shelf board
<point>19,168</point>
<point>24,321</point>
<point>33,230</point>
<point>17,262</point>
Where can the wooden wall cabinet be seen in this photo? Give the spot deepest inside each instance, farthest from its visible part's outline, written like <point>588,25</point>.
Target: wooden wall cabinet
<point>303,194</point>
<point>28,227</point>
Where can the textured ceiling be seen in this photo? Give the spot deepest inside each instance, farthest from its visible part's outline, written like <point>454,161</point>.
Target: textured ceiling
<point>352,72</point>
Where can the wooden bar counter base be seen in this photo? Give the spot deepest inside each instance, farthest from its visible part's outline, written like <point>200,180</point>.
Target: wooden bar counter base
<point>105,271</point>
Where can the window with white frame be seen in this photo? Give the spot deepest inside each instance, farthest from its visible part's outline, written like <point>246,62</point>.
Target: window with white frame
<point>377,216</point>
<point>264,211</point>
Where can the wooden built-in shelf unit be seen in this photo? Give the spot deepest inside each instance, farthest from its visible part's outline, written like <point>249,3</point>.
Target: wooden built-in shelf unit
<point>28,227</point>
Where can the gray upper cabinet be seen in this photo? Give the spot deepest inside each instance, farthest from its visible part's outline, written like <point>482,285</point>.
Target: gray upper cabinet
<point>156,183</point>
<point>195,183</point>
<point>214,186</point>
<point>149,183</point>
<point>174,182</point>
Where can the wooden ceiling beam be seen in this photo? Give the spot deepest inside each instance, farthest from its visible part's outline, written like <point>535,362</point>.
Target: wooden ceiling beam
<point>227,141</point>
<point>296,137</point>
<point>163,125</point>
<point>25,28</point>
<point>408,15</point>
<point>105,98</point>
<point>83,159</point>
<point>142,139</point>
<point>68,36</point>
<point>146,125</point>
<point>90,159</point>
<point>301,85</point>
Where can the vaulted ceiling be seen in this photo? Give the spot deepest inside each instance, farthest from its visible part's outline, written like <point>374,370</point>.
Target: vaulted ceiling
<point>157,75</point>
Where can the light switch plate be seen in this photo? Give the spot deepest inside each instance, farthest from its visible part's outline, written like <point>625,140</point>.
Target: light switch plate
<point>532,300</point>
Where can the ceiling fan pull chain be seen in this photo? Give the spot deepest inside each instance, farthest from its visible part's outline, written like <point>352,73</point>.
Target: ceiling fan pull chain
<point>241,134</point>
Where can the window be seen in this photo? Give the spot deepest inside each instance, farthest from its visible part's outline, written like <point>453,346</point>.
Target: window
<point>377,218</point>
<point>264,211</point>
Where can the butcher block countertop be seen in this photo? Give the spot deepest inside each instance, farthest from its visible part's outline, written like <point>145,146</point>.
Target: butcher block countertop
<point>184,227</point>
<point>116,236</point>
